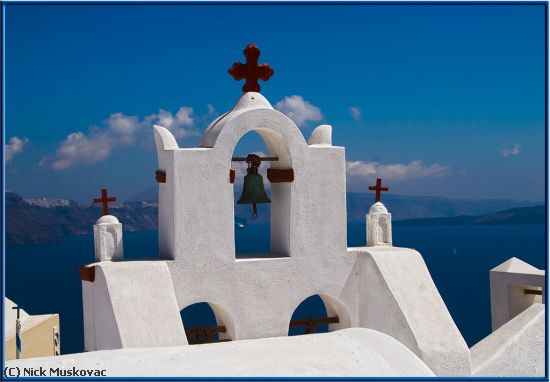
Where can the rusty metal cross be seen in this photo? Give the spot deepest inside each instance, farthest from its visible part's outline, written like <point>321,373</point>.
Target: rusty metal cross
<point>251,71</point>
<point>104,200</point>
<point>378,188</point>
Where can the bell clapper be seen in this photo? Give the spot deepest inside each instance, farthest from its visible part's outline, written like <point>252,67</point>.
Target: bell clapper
<point>254,211</point>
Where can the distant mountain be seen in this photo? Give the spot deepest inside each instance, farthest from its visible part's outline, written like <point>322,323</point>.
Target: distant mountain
<point>521,215</point>
<point>44,220</point>
<point>416,207</point>
<point>149,195</point>
<point>401,206</point>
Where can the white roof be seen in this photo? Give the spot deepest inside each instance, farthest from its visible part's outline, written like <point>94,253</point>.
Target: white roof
<point>356,352</point>
<point>27,320</point>
<point>515,265</point>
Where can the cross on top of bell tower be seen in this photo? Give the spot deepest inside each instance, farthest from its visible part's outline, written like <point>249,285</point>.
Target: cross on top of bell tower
<point>251,71</point>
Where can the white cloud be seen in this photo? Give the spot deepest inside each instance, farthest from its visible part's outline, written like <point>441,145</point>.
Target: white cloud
<point>15,147</point>
<point>97,144</point>
<point>355,112</point>
<point>122,127</point>
<point>395,171</point>
<point>116,131</point>
<point>211,110</point>
<point>179,124</point>
<point>513,150</point>
<point>78,147</point>
<point>299,110</point>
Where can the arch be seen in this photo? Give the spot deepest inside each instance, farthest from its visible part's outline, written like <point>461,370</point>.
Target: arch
<point>283,139</point>
<point>253,112</point>
<point>208,314</point>
<point>252,235</point>
<point>332,306</point>
<point>281,136</point>
<point>335,306</point>
<point>383,231</point>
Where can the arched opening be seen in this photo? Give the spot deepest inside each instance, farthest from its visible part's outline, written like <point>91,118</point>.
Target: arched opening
<point>319,313</point>
<point>384,231</point>
<point>251,234</point>
<point>206,322</point>
<point>267,235</point>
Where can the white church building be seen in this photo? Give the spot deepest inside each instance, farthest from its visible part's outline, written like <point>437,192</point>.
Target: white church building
<point>390,319</point>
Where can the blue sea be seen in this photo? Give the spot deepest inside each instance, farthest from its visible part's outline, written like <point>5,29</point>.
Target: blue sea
<point>45,278</point>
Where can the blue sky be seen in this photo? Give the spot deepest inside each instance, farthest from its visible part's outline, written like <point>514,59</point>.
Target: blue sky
<point>443,100</point>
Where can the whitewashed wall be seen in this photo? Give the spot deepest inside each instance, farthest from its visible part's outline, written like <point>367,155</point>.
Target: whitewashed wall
<point>255,298</point>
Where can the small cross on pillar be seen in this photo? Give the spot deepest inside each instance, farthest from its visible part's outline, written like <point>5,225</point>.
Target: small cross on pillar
<point>104,200</point>
<point>379,189</point>
<point>18,344</point>
<point>251,71</point>
<point>19,309</point>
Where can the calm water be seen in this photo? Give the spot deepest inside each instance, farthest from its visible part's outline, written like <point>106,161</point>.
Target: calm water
<point>45,278</point>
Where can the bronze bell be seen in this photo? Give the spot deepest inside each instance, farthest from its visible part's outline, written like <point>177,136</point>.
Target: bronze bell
<point>253,190</point>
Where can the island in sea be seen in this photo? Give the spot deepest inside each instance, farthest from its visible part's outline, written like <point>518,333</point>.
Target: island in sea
<point>44,220</point>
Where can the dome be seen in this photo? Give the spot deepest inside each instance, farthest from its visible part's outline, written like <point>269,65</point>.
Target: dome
<point>107,219</point>
<point>354,352</point>
<point>248,101</point>
<point>378,208</point>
